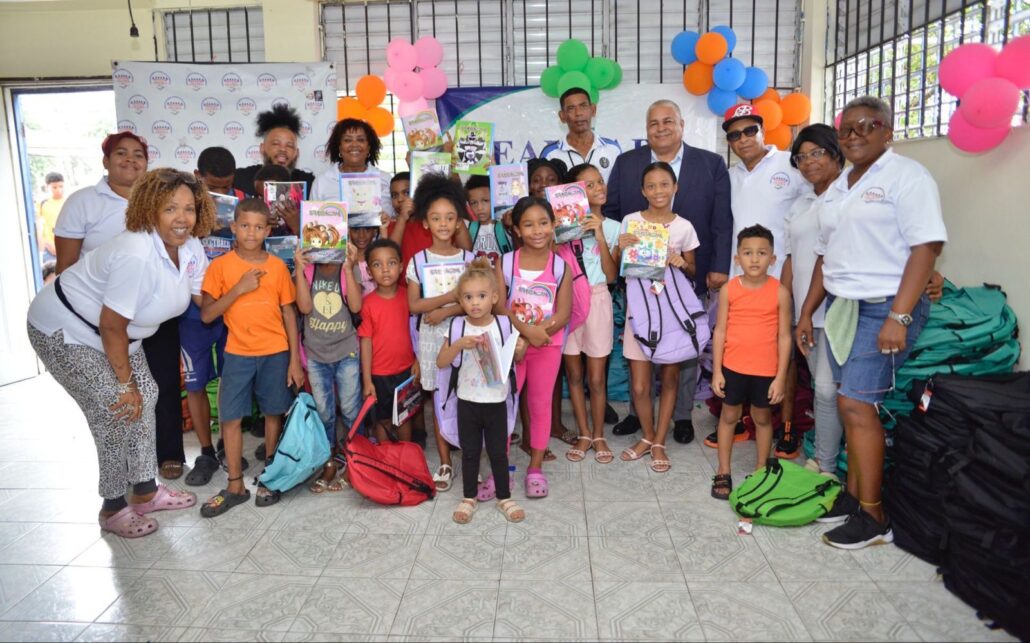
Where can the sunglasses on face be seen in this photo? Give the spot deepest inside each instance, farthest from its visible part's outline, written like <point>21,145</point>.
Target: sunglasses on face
<point>750,131</point>
<point>863,127</point>
<point>814,155</point>
<point>174,177</point>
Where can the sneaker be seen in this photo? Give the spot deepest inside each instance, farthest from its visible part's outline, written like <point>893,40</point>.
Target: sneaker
<point>739,435</point>
<point>812,465</point>
<point>861,530</point>
<point>683,431</point>
<point>844,506</point>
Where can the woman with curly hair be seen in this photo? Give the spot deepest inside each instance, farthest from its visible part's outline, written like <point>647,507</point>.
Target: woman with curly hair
<point>87,327</point>
<point>353,148</point>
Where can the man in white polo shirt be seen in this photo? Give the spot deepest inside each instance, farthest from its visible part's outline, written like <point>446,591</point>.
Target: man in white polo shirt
<point>582,144</point>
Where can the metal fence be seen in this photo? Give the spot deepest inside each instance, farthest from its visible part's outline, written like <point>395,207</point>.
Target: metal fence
<point>215,35</point>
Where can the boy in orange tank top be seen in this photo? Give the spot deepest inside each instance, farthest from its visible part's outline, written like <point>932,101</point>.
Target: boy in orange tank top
<point>751,349</point>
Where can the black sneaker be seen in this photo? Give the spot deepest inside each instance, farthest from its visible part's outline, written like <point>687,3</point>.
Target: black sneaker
<point>610,416</point>
<point>683,431</point>
<point>843,506</point>
<point>860,531</point>
<point>629,425</point>
<point>739,435</point>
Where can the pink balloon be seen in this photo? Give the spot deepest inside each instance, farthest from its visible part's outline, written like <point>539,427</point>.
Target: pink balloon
<point>434,82</point>
<point>966,65</point>
<point>408,86</point>
<point>836,119</point>
<point>407,108</point>
<point>390,78</point>
<point>400,54</point>
<point>428,52</point>
<point>971,139</point>
<point>1013,62</point>
<point>989,103</point>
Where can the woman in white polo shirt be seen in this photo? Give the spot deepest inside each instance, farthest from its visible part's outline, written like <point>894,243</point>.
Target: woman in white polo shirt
<point>87,328</point>
<point>880,232</point>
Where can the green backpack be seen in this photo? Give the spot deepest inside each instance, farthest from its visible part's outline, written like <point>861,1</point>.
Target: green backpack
<point>784,494</point>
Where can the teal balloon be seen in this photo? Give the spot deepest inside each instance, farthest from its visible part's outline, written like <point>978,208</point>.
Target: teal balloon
<point>756,82</point>
<point>720,100</point>
<point>729,74</point>
<point>727,33</point>
<point>618,75</point>
<point>683,47</point>
<point>600,71</point>
<point>572,79</point>
<point>549,81</point>
<point>573,55</point>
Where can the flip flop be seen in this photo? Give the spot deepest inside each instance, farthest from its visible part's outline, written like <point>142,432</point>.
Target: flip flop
<point>165,499</point>
<point>223,501</point>
<point>266,499</point>
<point>128,523</point>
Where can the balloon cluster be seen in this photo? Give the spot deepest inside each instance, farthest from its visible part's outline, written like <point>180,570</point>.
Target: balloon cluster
<point>371,91</point>
<point>412,73</point>
<point>576,68</point>
<point>710,70</point>
<point>988,84</point>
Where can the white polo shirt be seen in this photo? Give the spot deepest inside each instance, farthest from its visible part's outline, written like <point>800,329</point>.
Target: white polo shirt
<point>94,214</point>
<point>866,233</point>
<point>764,195</point>
<point>801,234</point>
<point>326,186</point>
<point>601,155</point>
<point>132,275</point>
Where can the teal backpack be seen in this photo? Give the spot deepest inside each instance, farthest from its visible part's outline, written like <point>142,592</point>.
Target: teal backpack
<point>784,494</point>
<point>500,234</point>
<point>302,450</point>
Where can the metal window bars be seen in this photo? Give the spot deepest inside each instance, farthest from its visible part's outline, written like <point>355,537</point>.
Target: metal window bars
<point>215,35</point>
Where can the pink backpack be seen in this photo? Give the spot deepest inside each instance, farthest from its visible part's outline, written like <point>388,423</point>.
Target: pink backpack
<point>559,265</point>
<point>572,254</point>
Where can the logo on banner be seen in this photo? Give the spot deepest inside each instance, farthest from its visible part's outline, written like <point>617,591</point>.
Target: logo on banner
<point>161,129</point>
<point>779,180</point>
<point>153,153</point>
<point>122,77</point>
<point>160,80</point>
<point>245,106</point>
<point>138,103</point>
<point>329,128</point>
<point>196,80</point>
<point>174,104</point>
<point>254,154</point>
<point>319,153</point>
<point>211,105</point>
<point>197,129</point>
<point>185,154</point>
<point>301,82</point>
<point>233,130</point>
<point>266,81</point>
<point>232,82</point>
<point>280,101</point>
<point>305,129</point>
<point>314,105</point>
<point>330,81</point>
<point>126,126</point>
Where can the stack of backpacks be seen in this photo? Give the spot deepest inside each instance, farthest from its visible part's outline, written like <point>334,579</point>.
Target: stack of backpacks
<point>959,491</point>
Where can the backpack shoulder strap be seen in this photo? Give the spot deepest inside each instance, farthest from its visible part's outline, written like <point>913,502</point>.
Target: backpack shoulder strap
<point>508,269</point>
<point>421,259</point>
<point>474,230</point>
<point>309,273</point>
<point>503,240</point>
<point>557,268</point>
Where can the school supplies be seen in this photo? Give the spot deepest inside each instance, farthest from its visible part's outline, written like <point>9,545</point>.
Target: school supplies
<point>496,358</point>
<point>422,130</point>
<point>284,248</point>
<point>423,163</point>
<point>302,447</point>
<point>440,278</point>
<point>279,194</point>
<point>508,184</point>
<point>216,246</point>
<point>225,209</point>
<point>646,259</point>
<point>532,302</point>
<point>323,231</point>
<point>571,207</point>
<point>407,398</point>
<point>473,147</point>
<point>364,198</point>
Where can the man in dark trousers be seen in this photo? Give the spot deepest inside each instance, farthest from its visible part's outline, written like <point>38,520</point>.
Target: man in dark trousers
<point>703,198</point>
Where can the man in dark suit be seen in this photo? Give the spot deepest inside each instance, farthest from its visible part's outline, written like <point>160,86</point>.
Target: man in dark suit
<point>703,198</point>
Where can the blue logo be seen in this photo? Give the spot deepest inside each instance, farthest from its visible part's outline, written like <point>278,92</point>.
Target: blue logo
<point>185,154</point>
<point>245,106</point>
<point>305,129</point>
<point>122,77</point>
<point>254,154</point>
<point>160,80</point>
<point>211,105</point>
<point>138,103</point>
<point>197,129</point>
<point>301,82</point>
<point>233,130</point>
<point>161,129</point>
<point>126,126</point>
<point>314,106</point>
<point>153,153</point>
<point>196,80</point>
<point>266,81</point>
<point>174,104</point>
<point>232,82</point>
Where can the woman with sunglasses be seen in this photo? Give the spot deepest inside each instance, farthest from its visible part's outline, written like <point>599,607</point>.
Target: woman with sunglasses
<point>87,328</point>
<point>880,232</point>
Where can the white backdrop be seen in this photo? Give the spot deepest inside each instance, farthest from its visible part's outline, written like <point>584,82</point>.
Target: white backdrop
<point>182,108</point>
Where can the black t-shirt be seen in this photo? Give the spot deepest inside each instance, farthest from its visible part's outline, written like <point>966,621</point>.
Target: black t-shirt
<point>245,178</point>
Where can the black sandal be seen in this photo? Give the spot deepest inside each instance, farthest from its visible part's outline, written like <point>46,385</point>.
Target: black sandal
<point>268,499</point>
<point>722,485</point>
<point>223,501</point>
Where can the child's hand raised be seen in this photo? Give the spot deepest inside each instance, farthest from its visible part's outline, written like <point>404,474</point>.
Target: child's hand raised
<point>250,281</point>
<point>300,258</point>
<point>406,209</point>
<point>719,383</point>
<point>352,256</point>
<point>591,223</point>
<point>776,391</point>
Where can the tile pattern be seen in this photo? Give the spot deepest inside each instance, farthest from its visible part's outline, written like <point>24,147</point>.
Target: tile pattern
<point>616,553</point>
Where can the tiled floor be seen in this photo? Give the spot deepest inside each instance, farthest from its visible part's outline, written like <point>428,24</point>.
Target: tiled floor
<point>616,552</point>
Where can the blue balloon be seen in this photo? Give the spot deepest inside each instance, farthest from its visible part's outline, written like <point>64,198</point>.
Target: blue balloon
<point>727,33</point>
<point>729,74</point>
<point>720,100</point>
<point>683,47</point>
<point>755,83</point>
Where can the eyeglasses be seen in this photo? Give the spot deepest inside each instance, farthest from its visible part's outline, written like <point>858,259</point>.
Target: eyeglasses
<point>863,127</point>
<point>175,177</point>
<point>750,131</point>
<point>814,155</point>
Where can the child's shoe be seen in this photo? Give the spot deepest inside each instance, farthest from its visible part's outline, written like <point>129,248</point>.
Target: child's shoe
<point>463,514</point>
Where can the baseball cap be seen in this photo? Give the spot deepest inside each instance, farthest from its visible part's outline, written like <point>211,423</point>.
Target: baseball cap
<point>112,140</point>
<point>739,111</point>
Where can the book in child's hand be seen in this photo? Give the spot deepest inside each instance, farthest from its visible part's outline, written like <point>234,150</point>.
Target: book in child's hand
<point>571,207</point>
<point>422,130</point>
<point>508,184</point>
<point>363,194</point>
<point>279,193</point>
<point>532,302</point>
<point>473,147</point>
<point>216,246</point>
<point>646,259</point>
<point>225,209</point>
<point>407,398</point>
<point>323,231</point>
<point>495,359</point>
<point>441,278</point>
<point>284,248</point>
<point>423,163</point>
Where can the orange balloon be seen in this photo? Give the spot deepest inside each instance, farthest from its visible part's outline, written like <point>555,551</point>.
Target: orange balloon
<point>697,78</point>
<point>381,120</point>
<point>780,137</point>
<point>771,115</point>
<point>371,90</point>
<point>711,48</point>
<point>796,108</point>
<point>349,107</point>
<point>770,94</point>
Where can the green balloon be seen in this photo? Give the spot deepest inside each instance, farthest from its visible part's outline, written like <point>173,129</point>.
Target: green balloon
<point>600,71</point>
<point>595,95</point>
<point>549,81</point>
<point>617,76</point>
<point>572,79</point>
<point>573,55</point>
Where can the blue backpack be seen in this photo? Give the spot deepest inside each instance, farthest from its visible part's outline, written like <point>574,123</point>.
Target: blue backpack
<point>302,449</point>
<point>672,326</point>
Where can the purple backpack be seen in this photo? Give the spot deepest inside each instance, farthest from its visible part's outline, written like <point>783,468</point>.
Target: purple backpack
<point>445,402</point>
<point>421,259</point>
<point>672,326</point>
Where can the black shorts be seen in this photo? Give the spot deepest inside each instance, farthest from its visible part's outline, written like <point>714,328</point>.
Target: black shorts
<point>742,388</point>
<point>385,386</point>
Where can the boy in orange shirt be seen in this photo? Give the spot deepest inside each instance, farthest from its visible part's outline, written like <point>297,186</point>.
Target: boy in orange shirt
<point>750,349</point>
<point>254,293</point>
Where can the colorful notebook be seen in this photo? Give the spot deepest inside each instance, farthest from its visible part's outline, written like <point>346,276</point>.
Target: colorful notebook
<point>216,246</point>
<point>647,258</point>
<point>422,130</point>
<point>532,302</point>
<point>508,184</point>
<point>323,230</point>
<point>473,147</point>
<point>571,207</point>
<point>363,194</point>
<point>423,163</point>
<point>225,209</point>
<point>440,278</point>
<point>278,193</point>
<point>406,399</point>
<point>284,248</point>
<point>495,359</point>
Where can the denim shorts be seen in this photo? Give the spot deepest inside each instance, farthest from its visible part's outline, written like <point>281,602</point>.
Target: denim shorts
<point>245,378</point>
<point>867,375</point>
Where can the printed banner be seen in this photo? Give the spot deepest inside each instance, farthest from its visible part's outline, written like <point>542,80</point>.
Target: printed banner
<point>182,108</point>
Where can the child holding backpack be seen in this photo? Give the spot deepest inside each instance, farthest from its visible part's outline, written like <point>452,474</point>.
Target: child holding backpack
<point>483,411</point>
<point>594,337</point>
<point>658,185</point>
<point>751,349</point>
<point>539,302</point>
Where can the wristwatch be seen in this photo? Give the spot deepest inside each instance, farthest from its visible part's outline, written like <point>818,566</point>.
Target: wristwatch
<point>902,318</point>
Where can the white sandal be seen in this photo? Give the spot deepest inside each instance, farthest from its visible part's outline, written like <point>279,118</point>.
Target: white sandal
<point>511,510</point>
<point>463,514</point>
<point>629,454</point>
<point>579,455</point>
<point>443,476</point>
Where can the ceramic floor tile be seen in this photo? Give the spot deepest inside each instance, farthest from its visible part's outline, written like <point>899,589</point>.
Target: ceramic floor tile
<point>890,563</point>
<point>549,518</point>
<point>246,516</point>
<point>335,637</point>
<point>291,551</point>
<point>167,597</point>
<point>565,484</point>
<point>848,611</point>
<point>723,556</point>
<point>769,615</point>
<point>486,521</point>
<point>140,553</point>
<point>555,609</point>
<point>29,631</point>
<point>363,605</point>
<point>459,557</point>
<point>109,632</point>
<point>647,611</point>
<point>689,480</point>
<point>206,549</point>
<point>798,554</point>
<point>325,512</point>
<point>200,634</point>
<point>634,559</point>
<point>18,581</point>
<point>619,481</point>
<point>451,609</point>
<point>936,614</point>
<point>547,558</point>
<point>370,518</point>
<point>50,544</point>
<point>252,601</point>
<point>626,519</point>
<point>74,594</point>
<point>384,556</point>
